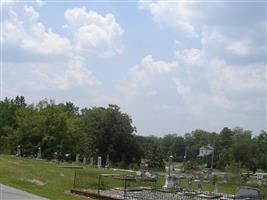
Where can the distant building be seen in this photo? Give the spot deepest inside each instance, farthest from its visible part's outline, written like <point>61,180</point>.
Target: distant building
<point>205,150</point>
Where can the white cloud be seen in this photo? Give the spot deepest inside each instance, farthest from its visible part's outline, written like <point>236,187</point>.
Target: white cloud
<point>216,43</point>
<point>177,14</point>
<point>190,56</point>
<point>66,75</point>
<point>78,73</point>
<point>140,75</point>
<point>55,62</point>
<point>183,90</point>
<point>240,32</point>
<point>240,47</point>
<point>31,13</point>
<point>243,78</point>
<point>32,36</point>
<point>217,100</point>
<point>40,3</point>
<point>93,33</point>
<point>6,2</point>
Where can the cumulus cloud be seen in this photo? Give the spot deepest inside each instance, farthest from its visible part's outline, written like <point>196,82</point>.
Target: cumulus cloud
<point>32,14</point>
<point>183,90</point>
<point>78,73</point>
<point>93,33</point>
<point>141,75</point>
<point>240,47</point>
<point>6,2</point>
<point>55,61</point>
<point>171,14</point>
<point>243,78</point>
<point>236,32</point>
<point>190,56</point>
<point>32,36</point>
<point>45,76</point>
<point>40,3</point>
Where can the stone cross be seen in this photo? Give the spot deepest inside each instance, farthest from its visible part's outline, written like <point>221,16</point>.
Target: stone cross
<point>99,161</point>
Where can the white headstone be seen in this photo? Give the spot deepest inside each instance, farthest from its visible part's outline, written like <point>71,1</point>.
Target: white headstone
<point>77,158</point>
<point>18,151</point>
<point>99,162</point>
<point>216,188</point>
<point>92,161</point>
<point>107,162</point>
<point>138,173</point>
<point>39,153</point>
<point>84,160</point>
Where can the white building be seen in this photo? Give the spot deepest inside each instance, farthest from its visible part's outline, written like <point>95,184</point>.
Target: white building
<point>205,150</point>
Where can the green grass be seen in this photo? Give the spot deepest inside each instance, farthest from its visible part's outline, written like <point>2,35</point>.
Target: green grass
<point>54,181</point>
<point>51,180</point>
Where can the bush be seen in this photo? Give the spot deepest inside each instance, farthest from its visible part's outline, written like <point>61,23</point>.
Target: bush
<point>233,167</point>
<point>192,165</point>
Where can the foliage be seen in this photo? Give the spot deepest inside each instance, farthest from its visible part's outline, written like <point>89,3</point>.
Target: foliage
<point>61,129</point>
<point>192,165</point>
<point>234,167</point>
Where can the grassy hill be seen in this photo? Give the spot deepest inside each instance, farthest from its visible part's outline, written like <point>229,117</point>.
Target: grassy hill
<point>39,177</point>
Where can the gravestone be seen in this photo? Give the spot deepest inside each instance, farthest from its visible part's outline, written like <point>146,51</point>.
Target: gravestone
<point>99,162</point>
<point>107,162</point>
<point>55,155</point>
<point>199,187</point>
<point>216,188</point>
<point>18,151</point>
<point>260,179</point>
<point>171,181</point>
<point>189,187</point>
<point>246,192</point>
<point>77,158</point>
<point>39,153</point>
<point>92,161</point>
<point>84,160</point>
<point>139,173</point>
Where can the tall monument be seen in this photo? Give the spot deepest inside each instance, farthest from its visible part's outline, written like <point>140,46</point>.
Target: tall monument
<point>171,181</point>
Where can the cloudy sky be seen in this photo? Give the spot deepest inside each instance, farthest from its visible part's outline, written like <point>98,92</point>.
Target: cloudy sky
<point>173,66</point>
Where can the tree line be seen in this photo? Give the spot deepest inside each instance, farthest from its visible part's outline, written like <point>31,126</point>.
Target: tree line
<point>63,128</point>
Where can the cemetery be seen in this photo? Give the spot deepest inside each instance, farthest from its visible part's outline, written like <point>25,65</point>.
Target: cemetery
<point>97,154</point>
<point>133,100</point>
<point>178,184</point>
<point>98,179</point>
<point>146,185</point>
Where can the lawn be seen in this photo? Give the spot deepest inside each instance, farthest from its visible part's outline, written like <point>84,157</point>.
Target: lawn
<point>40,177</point>
<point>54,181</point>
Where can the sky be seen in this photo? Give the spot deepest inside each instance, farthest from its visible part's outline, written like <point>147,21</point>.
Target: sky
<point>173,66</point>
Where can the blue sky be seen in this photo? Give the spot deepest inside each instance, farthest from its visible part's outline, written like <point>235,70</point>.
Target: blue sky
<point>172,66</point>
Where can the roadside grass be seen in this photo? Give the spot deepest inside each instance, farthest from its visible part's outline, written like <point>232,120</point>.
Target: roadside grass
<point>39,177</point>
<point>42,177</point>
